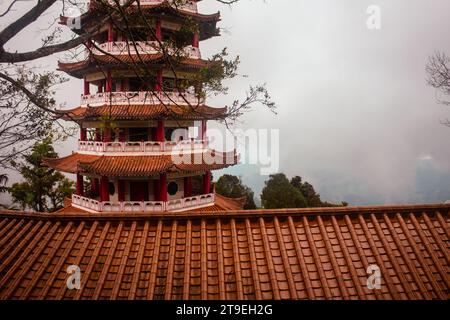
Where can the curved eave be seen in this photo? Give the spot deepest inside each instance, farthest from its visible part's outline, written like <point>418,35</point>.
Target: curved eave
<point>144,112</point>
<point>166,8</point>
<point>101,62</point>
<point>230,203</point>
<point>222,203</point>
<point>137,166</point>
<point>208,22</point>
<point>70,163</point>
<point>126,166</point>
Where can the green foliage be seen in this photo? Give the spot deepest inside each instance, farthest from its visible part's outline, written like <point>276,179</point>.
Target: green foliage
<point>232,187</point>
<point>43,189</point>
<point>184,34</point>
<point>312,198</point>
<point>280,193</point>
<point>307,190</point>
<point>220,69</point>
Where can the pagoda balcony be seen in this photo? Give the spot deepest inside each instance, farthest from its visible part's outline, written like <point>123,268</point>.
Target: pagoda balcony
<point>142,48</point>
<point>142,98</point>
<point>190,6</point>
<point>140,148</point>
<point>190,203</point>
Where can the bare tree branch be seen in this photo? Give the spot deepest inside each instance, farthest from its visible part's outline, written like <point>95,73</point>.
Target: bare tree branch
<point>18,25</point>
<point>438,70</point>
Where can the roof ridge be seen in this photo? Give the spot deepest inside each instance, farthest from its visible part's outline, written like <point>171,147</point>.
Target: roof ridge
<point>332,211</point>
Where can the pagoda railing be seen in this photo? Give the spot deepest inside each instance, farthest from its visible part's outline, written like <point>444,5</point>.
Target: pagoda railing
<point>142,146</point>
<point>190,6</point>
<point>142,47</point>
<point>86,203</point>
<point>142,98</point>
<point>192,202</point>
<point>92,205</point>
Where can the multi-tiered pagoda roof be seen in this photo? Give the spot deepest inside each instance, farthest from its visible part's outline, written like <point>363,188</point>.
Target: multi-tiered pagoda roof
<point>126,148</point>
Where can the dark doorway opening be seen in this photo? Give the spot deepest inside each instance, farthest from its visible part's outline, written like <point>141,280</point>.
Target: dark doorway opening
<point>139,191</point>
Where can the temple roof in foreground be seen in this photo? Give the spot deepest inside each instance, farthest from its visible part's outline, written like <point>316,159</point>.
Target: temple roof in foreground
<point>268,254</point>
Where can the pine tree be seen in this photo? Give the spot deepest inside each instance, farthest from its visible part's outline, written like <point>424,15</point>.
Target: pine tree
<point>280,193</point>
<point>44,189</point>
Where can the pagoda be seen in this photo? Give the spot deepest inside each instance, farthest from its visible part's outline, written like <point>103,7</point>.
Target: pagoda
<point>139,109</point>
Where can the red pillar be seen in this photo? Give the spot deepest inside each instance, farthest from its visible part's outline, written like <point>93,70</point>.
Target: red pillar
<point>100,88</point>
<point>86,87</point>
<point>163,187</point>
<point>83,134</point>
<point>110,33</point>
<point>195,40</point>
<point>159,80</point>
<point>207,182</point>
<point>188,187</point>
<point>203,130</point>
<point>108,81</point>
<point>95,187</point>
<point>98,134</point>
<point>160,132</point>
<point>121,190</point>
<point>106,135</point>
<point>158,30</point>
<point>80,185</point>
<point>104,189</point>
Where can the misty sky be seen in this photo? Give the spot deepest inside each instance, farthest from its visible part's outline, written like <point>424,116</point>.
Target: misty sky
<point>355,115</point>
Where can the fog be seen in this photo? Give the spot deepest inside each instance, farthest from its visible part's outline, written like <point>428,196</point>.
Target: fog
<point>356,117</point>
<point>355,114</point>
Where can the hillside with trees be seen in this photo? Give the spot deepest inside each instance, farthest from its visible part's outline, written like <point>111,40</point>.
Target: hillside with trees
<point>279,192</point>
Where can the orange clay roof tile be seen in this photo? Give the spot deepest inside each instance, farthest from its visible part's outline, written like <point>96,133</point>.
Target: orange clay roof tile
<point>77,69</point>
<point>140,165</point>
<point>144,112</point>
<point>69,164</point>
<point>222,203</point>
<point>228,204</point>
<point>319,253</point>
<point>128,165</point>
<point>88,18</point>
